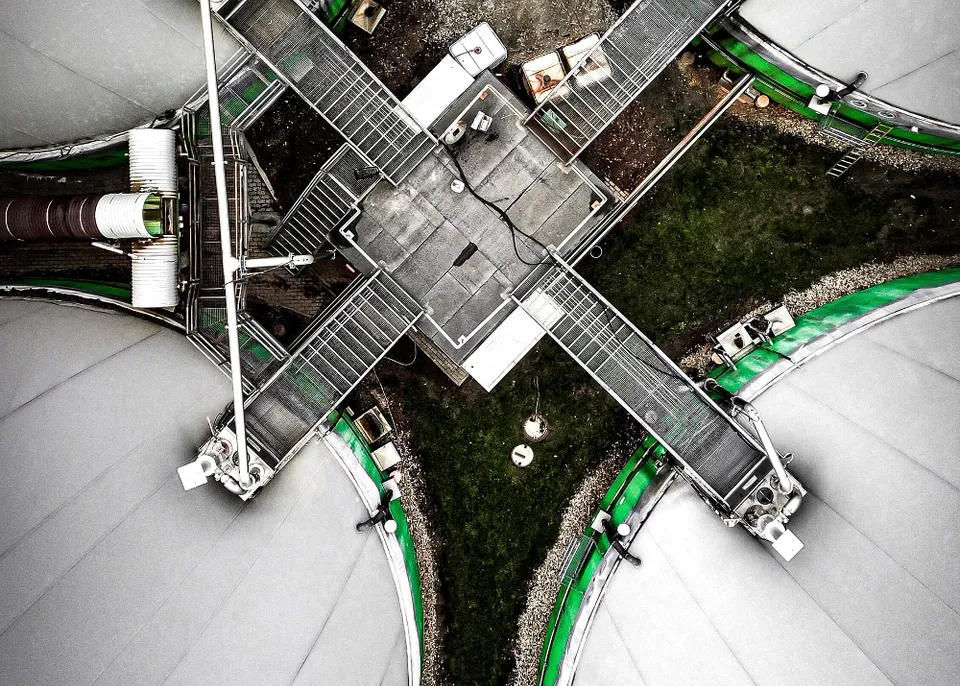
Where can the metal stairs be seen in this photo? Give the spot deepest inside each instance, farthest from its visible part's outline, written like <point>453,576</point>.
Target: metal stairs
<point>333,80</point>
<point>649,35</point>
<point>330,359</point>
<point>245,92</point>
<point>853,155</point>
<point>715,452</point>
<point>331,200</point>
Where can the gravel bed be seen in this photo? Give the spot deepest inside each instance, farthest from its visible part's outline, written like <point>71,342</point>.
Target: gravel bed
<point>828,289</point>
<point>424,540</point>
<point>545,584</point>
<point>789,122</point>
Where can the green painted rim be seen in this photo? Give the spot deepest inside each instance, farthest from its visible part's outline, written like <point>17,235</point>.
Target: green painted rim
<point>824,319</point>
<point>347,430</point>
<point>794,94</point>
<point>619,501</point>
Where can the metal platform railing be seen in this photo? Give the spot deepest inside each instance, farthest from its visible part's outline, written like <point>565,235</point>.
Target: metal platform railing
<point>330,201</point>
<point>611,76</point>
<point>334,82</point>
<point>247,88</point>
<point>715,451</point>
<point>333,356</point>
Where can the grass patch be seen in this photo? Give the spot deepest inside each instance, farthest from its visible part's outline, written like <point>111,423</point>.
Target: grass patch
<point>497,521</point>
<point>748,214</point>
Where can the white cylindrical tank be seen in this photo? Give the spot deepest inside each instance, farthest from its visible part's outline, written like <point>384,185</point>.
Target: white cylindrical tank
<point>155,268</point>
<point>153,161</point>
<point>123,215</point>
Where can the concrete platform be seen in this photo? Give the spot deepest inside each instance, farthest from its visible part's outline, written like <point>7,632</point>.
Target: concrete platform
<point>874,597</point>
<point>76,70</point>
<point>911,51</point>
<point>111,573</point>
<point>417,230</point>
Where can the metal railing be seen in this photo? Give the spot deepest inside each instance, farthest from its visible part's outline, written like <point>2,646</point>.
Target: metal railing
<point>313,61</point>
<point>715,451</point>
<point>607,79</point>
<point>247,88</point>
<point>330,360</point>
<point>330,201</point>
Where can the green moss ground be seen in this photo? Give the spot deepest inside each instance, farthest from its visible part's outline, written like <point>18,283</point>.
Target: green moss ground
<point>748,214</point>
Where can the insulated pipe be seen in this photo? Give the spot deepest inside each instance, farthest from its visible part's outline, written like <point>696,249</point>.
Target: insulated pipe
<point>153,161</point>
<point>747,408</point>
<point>111,216</point>
<point>230,264</point>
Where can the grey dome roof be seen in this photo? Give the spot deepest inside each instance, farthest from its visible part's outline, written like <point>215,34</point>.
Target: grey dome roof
<point>874,596</point>
<point>911,51</point>
<point>74,70</point>
<point>111,573</point>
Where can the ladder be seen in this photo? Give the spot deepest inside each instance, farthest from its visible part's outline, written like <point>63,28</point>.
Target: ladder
<point>853,155</point>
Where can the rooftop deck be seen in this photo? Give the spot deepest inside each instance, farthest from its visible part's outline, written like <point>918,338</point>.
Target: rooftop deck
<point>417,230</point>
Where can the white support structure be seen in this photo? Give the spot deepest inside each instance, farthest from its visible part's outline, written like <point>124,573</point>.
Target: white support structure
<point>230,263</point>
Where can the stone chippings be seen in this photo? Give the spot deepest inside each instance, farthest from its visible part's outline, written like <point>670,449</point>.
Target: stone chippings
<point>545,584</point>
<point>789,122</point>
<point>828,289</point>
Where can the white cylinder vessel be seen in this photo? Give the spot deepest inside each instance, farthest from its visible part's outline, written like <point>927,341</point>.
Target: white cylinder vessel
<point>155,269</point>
<point>121,215</point>
<point>153,161</point>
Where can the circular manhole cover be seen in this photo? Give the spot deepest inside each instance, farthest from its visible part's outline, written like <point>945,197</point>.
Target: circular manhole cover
<point>522,455</point>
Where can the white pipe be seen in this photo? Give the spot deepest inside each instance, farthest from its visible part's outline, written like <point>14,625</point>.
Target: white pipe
<point>785,484</point>
<point>266,262</point>
<point>230,264</point>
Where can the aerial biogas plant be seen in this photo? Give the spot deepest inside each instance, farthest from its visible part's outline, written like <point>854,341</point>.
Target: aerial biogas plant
<point>195,493</point>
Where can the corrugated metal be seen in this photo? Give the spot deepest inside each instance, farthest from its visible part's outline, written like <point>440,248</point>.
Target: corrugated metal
<point>110,216</point>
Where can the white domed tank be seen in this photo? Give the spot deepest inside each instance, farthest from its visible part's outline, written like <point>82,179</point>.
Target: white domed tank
<point>871,411</point>
<point>111,573</point>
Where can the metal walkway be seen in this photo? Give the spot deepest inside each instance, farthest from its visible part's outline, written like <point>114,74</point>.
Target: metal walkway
<point>715,451</point>
<point>247,88</point>
<point>331,359</point>
<point>611,76</point>
<point>330,201</point>
<point>334,82</point>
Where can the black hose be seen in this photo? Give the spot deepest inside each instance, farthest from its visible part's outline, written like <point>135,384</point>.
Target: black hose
<point>504,217</point>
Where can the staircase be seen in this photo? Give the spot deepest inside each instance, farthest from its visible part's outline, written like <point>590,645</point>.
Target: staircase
<point>330,201</point>
<point>715,451</point>
<point>334,354</point>
<point>853,155</point>
<point>629,56</point>
<point>313,61</point>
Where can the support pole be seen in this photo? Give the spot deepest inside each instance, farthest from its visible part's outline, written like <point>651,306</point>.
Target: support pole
<point>230,264</point>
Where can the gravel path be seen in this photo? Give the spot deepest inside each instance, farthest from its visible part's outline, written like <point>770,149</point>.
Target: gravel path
<point>829,288</point>
<point>545,584</point>
<point>789,122</point>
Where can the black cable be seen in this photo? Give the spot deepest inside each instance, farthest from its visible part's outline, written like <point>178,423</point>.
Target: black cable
<point>504,217</point>
<point>514,230</point>
<point>405,364</point>
<point>770,349</point>
<point>665,372</point>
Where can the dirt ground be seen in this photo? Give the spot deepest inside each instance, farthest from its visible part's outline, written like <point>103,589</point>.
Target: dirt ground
<point>414,35</point>
<point>654,123</point>
<point>291,142</point>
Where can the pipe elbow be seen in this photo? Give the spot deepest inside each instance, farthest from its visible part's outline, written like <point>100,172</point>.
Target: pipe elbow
<point>792,505</point>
